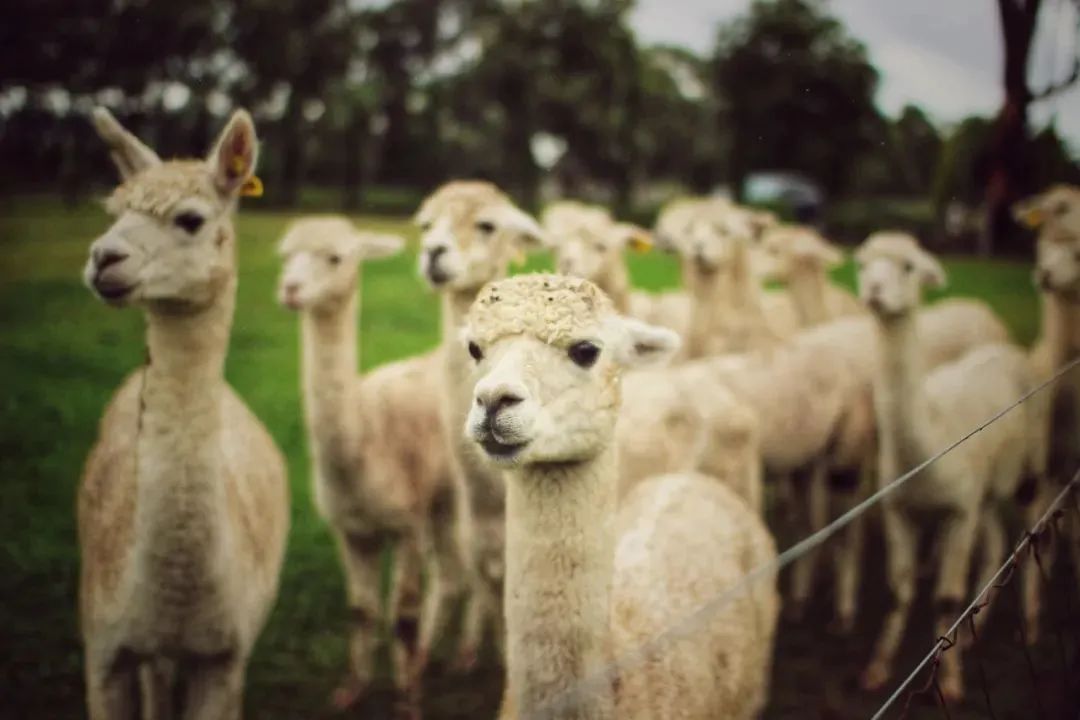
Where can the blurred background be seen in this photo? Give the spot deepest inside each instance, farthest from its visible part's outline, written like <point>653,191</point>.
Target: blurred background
<point>855,115</point>
<point>927,115</point>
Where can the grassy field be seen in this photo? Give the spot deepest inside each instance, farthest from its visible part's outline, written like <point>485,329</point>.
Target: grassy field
<point>61,355</point>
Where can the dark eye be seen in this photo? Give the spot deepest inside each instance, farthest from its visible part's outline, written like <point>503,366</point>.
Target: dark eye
<point>425,226</point>
<point>584,353</point>
<point>334,259</point>
<point>475,352</point>
<point>188,221</point>
<point>1061,209</point>
<point>600,248</point>
<point>909,266</point>
<point>485,227</point>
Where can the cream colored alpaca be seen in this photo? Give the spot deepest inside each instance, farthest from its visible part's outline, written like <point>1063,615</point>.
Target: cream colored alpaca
<point>183,507</point>
<point>588,244</point>
<point>801,258</point>
<point>589,579</point>
<point>918,413</point>
<point>378,452</point>
<point>470,233</point>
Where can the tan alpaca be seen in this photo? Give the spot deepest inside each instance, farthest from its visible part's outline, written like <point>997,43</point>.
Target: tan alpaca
<point>588,243</point>
<point>588,579</point>
<point>471,232</point>
<point>378,452</point>
<point>183,507</point>
<point>801,258</point>
<point>918,412</point>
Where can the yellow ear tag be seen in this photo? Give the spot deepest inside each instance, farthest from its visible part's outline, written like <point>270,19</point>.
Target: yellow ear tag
<point>252,187</point>
<point>1033,218</point>
<point>518,258</point>
<point>640,243</point>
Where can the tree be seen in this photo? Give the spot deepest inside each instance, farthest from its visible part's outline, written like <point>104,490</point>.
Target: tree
<point>798,92</point>
<point>1009,175</point>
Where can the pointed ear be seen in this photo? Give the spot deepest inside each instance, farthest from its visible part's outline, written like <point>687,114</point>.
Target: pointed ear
<point>128,153</point>
<point>375,245</point>
<point>932,273</point>
<point>232,161</point>
<point>520,225</point>
<point>634,237</point>
<point>811,246</point>
<point>1029,212</point>
<point>639,344</point>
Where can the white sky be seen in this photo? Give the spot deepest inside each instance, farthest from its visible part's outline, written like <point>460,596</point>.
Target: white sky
<point>943,55</point>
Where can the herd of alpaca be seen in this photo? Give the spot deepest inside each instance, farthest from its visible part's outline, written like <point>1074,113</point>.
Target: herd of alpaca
<point>578,465</point>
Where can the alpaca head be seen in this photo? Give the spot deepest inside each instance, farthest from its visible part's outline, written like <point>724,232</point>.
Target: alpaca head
<point>674,220</point>
<point>785,250</point>
<point>1056,214</point>
<point>171,246</point>
<point>893,271</point>
<point>716,238</point>
<point>587,242</point>
<point>550,351</point>
<point>470,233</point>
<point>322,256</point>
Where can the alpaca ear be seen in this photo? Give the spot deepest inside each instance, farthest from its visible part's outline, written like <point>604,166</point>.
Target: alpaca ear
<point>1029,212</point>
<point>374,245</point>
<point>515,222</point>
<point>232,161</point>
<point>639,344</point>
<point>128,154</point>
<point>932,272</point>
<point>815,248</point>
<point>634,237</point>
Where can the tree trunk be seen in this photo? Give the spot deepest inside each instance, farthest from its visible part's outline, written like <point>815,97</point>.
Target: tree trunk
<point>353,146</point>
<point>292,159</point>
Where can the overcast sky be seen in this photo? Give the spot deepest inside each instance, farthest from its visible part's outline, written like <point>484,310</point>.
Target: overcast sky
<point>944,55</point>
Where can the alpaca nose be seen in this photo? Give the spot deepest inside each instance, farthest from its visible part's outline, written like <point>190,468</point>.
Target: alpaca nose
<point>104,257</point>
<point>493,399</point>
<point>291,289</point>
<point>1042,278</point>
<point>436,252</point>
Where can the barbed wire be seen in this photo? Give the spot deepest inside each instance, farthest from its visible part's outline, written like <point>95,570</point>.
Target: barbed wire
<point>602,679</point>
<point>998,581</point>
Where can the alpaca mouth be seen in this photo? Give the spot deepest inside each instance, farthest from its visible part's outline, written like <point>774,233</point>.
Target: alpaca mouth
<point>112,291</point>
<point>499,450</point>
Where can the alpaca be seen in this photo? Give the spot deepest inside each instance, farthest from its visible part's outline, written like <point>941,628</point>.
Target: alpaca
<point>183,507</point>
<point>801,258</point>
<point>371,484</point>
<point>588,578</point>
<point>917,413</point>
<point>588,244</point>
<point>470,233</point>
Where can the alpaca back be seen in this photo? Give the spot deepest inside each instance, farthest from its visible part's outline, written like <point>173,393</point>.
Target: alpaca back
<point>683,541</point>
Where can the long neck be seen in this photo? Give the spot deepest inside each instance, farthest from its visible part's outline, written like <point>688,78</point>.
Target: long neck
<point>329,352</point>
<point>898,393</point>
<point>560,548</point>
<point>455,305</point>
<point>1060,328</point>
<point>615,282</point>
<point>807,285</point>
<point>725,307</point>
<point>180,498</point>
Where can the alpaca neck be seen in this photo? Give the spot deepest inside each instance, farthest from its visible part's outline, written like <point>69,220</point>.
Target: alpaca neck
<point>898,393</point>
<point>180,506</point>
<point>1060,329</point>
<point>560,549</point>
<point>725,307</point>
<point>615,282</point>
<point>808,286</point>
<point>329,352</point>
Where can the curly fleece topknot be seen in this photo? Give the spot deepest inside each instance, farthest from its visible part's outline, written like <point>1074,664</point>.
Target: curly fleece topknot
<point>157,189</point>
<point>555,309</point>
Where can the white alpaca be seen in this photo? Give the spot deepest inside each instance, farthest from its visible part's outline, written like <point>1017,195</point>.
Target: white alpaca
<point>800,258</point>
<point>588,244</point>
<point>378,452</point>
<point>183,506</point>
<point>588,579</point>
<point>918,412</point>
<point>470,233</point>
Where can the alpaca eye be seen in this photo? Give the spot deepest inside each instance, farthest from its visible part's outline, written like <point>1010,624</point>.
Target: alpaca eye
<point>1061,209</point>
<point>600,248</point>
<point>584,354</point>
<point>425,226</point>
<point>189,222</point>
<point>475,352</point>
<point>334,259</point>
<point>485,227</point>
<point>909,266</point>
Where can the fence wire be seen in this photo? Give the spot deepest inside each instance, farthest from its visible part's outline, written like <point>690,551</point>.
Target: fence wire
<point>602,679</point>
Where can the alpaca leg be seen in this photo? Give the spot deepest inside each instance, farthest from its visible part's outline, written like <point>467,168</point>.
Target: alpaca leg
<point>847,558</point>
<point>444,569</point>
<point>402,610</point>
<point>472,626</point>
<point>991,535</point>
<point>360,556</point>
<point>900,546</point>
<point>958,541</point>
<point>157,678</point>
<point>112,690</point>
<point>1030,574</point>
<point>215,689</point>
<point>811,495</point>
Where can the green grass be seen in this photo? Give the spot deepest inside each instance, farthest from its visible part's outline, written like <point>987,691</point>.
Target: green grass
<point>61,356</point>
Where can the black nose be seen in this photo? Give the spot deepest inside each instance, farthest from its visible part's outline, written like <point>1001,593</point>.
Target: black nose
<point>497,402</point>
<point>105,258</point>
<point>435,253</point>
<point>1042,278</point>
